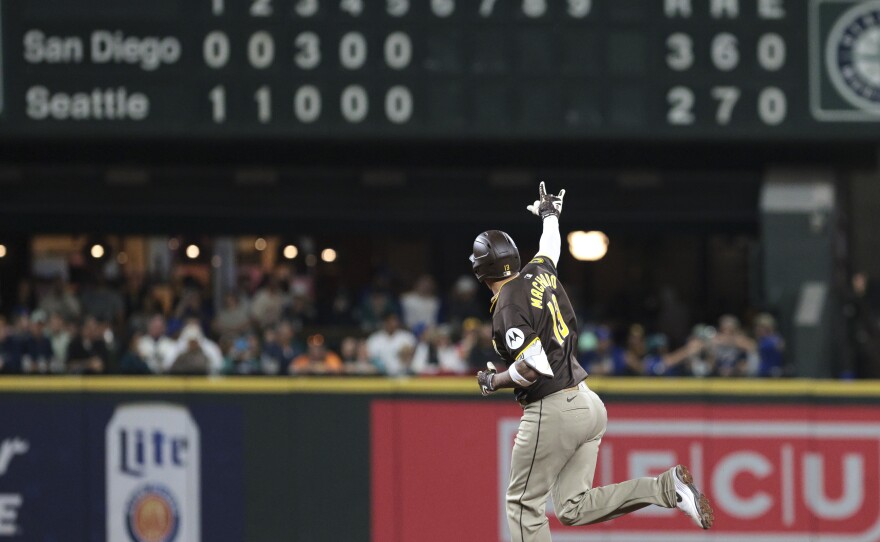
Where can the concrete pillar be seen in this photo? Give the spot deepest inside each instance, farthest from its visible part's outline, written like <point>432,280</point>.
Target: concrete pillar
<point>798,224</point>
<point>225,269</point>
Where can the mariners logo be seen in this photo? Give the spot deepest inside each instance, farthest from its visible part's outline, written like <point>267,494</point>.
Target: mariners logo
<point>152,515</point>
<point>852,56</point>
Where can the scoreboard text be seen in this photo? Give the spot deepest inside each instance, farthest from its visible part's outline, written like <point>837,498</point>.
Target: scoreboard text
<point>442,69</point>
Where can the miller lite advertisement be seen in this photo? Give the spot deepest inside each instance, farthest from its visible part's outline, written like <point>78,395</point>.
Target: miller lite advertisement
<point>153,474</point>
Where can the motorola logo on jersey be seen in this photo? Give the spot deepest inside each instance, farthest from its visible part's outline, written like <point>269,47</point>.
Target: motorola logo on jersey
<point>514,338</point>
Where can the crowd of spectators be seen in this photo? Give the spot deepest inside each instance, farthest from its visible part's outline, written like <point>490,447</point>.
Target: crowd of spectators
<point>723,351</point>
<point>276,329</point>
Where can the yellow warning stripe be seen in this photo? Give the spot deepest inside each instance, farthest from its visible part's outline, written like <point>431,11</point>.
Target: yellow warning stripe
<point>684,387</point>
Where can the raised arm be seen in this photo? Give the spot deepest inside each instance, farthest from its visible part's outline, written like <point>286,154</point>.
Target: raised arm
<point>549,207</point>
<point>551,243</point>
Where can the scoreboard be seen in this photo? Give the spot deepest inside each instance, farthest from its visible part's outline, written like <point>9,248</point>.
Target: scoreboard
<point>502,70</point>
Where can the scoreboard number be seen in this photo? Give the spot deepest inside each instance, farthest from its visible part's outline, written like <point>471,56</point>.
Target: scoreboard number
<point>727,98</point>
<point>534,8</point>
<point>261,8</point>
<point>354,103</point>
<point>308,50</point>
<point>352,50</point>
<point>771,52</point>
<point>263,97</point>
<point>681,105</point>
<point>681,52</point>
<point>443,8</point>
<point>772,106</point>
<point>487,7</point>
<point>398,104</point>
<point>579,8</point>
<point>307,104</point>
<point>216,50</point>
<point>397,8</point>
<point>398,50</point>
<point>725,51</point>
<point>358,71</point>
<point>217,96</point>
<point>352,7</point>
<point>261,50</point>
<point>306,8</point>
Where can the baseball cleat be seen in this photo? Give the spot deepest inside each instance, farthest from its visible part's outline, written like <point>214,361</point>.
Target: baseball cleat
<point>690,500</point>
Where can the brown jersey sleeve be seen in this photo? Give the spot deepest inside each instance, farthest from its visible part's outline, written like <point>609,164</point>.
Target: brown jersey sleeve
<point>513,331</point>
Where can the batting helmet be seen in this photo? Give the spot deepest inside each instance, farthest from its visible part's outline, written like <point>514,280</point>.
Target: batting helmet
<point>495,256</point>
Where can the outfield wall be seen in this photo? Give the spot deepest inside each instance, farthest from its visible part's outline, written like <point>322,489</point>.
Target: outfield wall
<point>183,459</point>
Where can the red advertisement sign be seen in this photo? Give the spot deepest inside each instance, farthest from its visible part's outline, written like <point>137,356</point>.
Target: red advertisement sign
<point>773,473</point>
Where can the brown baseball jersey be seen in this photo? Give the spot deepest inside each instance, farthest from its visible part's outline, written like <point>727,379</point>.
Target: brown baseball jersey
<point>531,307</point>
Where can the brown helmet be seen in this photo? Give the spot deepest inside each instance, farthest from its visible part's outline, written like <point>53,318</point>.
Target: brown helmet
<point>495,256</point>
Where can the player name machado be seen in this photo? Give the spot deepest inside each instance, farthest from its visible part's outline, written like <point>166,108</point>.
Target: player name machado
<point>105,104</point>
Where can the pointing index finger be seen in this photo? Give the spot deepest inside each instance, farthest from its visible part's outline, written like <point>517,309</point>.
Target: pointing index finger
<point>542,190</point>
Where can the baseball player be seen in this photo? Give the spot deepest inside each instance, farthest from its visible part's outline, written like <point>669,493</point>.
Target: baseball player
<point>555,451</point>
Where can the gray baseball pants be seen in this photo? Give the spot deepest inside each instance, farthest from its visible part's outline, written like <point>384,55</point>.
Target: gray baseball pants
<point>555,452</point>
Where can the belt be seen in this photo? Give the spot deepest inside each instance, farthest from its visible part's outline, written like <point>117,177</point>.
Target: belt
<point>582,386</point>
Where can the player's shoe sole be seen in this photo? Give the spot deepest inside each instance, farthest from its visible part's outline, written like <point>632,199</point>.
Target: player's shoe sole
<point>690,500</point>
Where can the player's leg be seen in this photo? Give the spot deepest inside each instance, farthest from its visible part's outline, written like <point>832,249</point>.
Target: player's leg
<point>526,498</point>
<point>540,451</point>
<point>578,503</point>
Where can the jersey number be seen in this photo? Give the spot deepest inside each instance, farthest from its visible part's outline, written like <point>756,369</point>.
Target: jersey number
<point>559,327</point>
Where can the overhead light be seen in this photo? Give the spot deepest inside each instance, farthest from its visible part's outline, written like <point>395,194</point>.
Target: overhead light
<point>328,255</point>
<point>192,252</point>
<point>291,252</point>
<point>260,244</point>
<point>588,246</point>
<point>97,251</point>
<point>2,251</point>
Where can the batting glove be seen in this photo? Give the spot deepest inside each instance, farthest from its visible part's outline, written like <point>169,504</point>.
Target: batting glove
<point>486,379</point>
<point>547,204</point>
